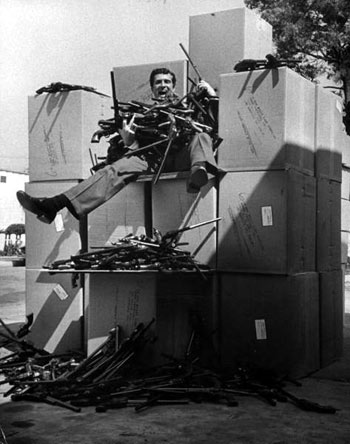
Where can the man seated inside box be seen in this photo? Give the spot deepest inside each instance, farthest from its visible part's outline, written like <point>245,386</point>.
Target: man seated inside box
<point>190,151</point>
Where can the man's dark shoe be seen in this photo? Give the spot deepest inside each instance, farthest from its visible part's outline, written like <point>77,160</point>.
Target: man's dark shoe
<point>198,178</point>
<point>45,213</point>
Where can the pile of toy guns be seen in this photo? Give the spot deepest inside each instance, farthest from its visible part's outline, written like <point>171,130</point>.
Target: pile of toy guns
<point>58,87</point>
<point>270,62</point>
<point>159,128</point>
<point>152,121</point>
<point>115,376</point>
<point>138,253</point>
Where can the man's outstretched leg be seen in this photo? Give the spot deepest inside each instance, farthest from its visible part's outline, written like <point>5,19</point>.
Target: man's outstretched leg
<point>202,162</point>
<point>45,208</point>
<point>88,194</point>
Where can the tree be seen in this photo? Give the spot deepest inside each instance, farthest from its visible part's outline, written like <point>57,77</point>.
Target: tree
<point>315,31</point>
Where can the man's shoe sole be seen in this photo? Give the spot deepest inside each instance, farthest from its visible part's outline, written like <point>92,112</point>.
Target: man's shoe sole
<point>197,180</point>
<point>29,204</point>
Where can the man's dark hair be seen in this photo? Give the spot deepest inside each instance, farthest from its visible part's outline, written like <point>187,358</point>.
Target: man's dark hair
<point>161,71</point>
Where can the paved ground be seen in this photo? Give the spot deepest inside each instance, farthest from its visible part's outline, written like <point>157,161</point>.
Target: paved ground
<point>12,293</point>
<point>252,421</point>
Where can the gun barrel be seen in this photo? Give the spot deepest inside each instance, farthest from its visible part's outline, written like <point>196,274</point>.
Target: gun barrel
<point>191,227</point>
<point>114,97</point>
<point>191,61</point>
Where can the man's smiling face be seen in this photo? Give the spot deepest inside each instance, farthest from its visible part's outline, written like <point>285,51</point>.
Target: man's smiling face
<point>163,87</point>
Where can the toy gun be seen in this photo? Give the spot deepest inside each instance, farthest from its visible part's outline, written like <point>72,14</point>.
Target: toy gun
<point>195,98</point>
<point>270,62</point>
<point>172,235</point>
<point>191,62</point>
<point>155,125</point>
<point>56,87</point>
<point>158,126</point>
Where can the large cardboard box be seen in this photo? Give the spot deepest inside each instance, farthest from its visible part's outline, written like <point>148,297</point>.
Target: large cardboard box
<point>268,222</point>
<point>345,214</point>
<point>60,129</point>
<point>46,243</point>
<point>132,82</point>
<point>174,208</point>
<point>219,40</point>
<point>126,213</point>
<point>331,316</point>
<point>111,299</point>
<point>329,135</point>
<point>345,142</point>
<point>328,225</point>
<point>56,302</point>
<point>267,120</point>
<point>178,302</point>
<point>344,247</point>
<point>271,322</point>
<point>345,183</point>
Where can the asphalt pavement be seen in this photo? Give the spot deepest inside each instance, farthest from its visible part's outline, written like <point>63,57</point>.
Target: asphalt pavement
<point>12,293</point>
<point>252,421</point>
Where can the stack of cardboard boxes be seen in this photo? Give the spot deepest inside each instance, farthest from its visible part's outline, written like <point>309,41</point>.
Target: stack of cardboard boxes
<point>275,293</point>
<point>168,205</point>
<point>267,242</point>
<point>60,130</point>
<point>330,143</point>
<point>279,241</point>
<point>345,221</point>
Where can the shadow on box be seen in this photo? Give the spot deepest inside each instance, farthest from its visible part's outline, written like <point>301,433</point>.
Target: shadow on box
<point>50,103</point>
<point>185,209</point>
<point>64,241</point>
<point>46,243</point>
<point>185,319</point>
<point>273,306</point>
<point>179,304</point>
<point>58,322</point>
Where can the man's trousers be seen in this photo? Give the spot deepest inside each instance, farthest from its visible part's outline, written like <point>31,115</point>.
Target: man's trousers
<point>106,182</point>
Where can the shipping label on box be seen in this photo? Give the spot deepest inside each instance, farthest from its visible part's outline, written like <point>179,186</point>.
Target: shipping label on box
<point>345,183</point>
<point>268,221</point>
<point>61,126</point>
<point>173,208</point>
<point>345,144</point>
<point>46,243</point>
<point>217,41</point>
<point>345,215</point>
<point>267,121</point>
<point>344,246</point>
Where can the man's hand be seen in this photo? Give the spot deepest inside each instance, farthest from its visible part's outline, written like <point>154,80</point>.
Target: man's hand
<point>127,132</point>
<point>204,86</point>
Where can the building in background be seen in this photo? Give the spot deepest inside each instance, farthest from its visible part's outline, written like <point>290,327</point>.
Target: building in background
<point>10,210</point>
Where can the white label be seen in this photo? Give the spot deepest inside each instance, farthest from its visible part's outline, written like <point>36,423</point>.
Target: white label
<point>59,223</point>
<point>266,214</point>
<point>339,106</point>
<point>260,329</point>
<point>61,292</point>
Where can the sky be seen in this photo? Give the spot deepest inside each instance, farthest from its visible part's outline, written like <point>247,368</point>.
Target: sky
<point>79,42</point>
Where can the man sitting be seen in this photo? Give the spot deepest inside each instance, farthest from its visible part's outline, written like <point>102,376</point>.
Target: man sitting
<point>194,154</point>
